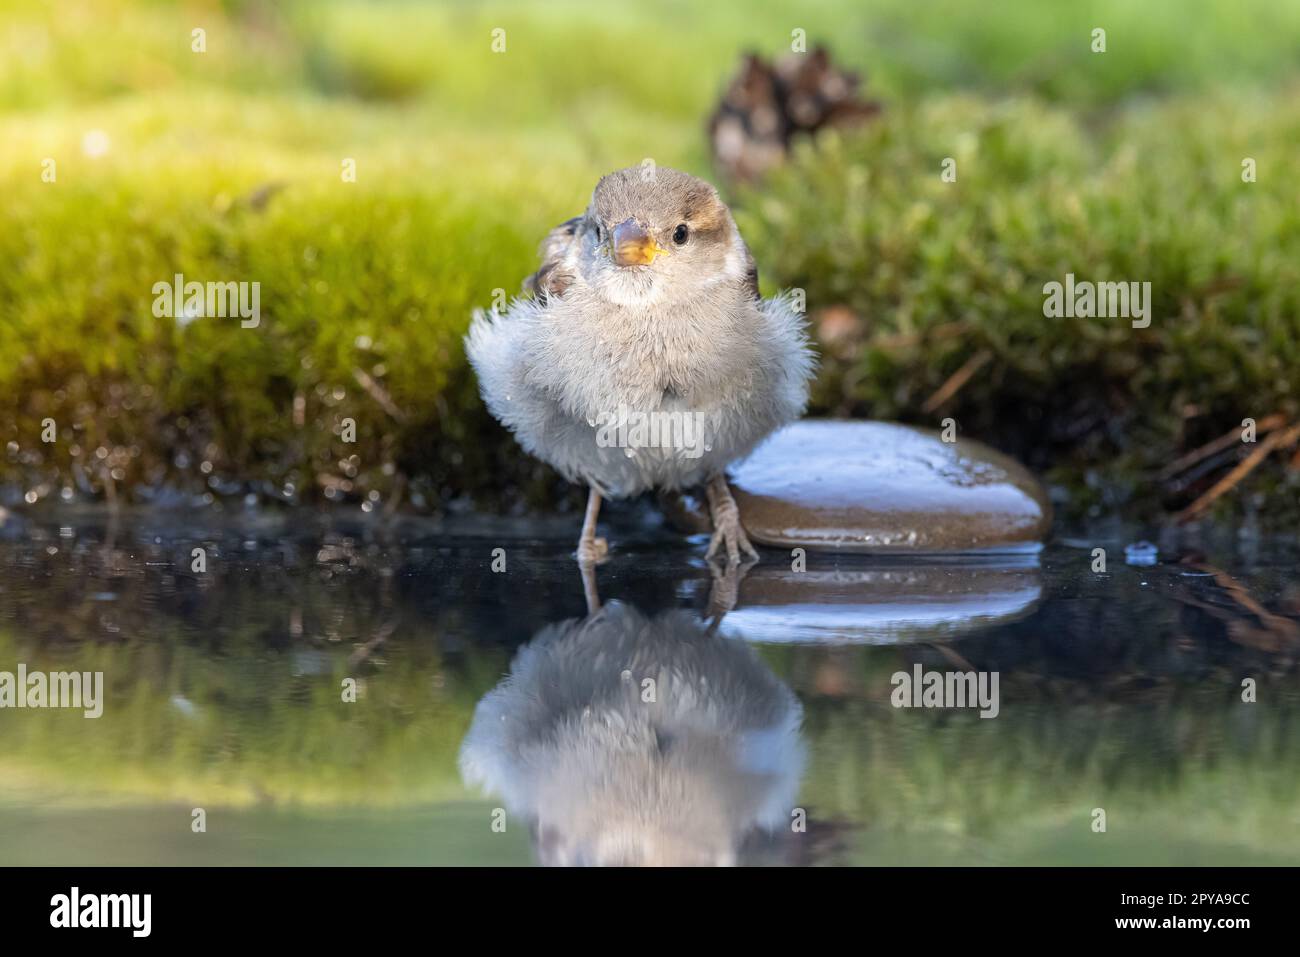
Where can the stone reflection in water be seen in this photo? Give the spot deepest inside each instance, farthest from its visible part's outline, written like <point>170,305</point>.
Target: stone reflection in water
<point>632,739</point>
<point>893,603</point>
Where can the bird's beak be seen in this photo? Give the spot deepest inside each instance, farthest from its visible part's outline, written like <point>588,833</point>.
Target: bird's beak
<point>633,246</point>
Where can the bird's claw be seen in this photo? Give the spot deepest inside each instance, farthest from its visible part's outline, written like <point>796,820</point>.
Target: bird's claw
<point>729,534</point>
<point>726,587</point>
<point>591,551</point>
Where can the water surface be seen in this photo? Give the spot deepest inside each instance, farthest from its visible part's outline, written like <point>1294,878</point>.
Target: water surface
<point>769,735</point>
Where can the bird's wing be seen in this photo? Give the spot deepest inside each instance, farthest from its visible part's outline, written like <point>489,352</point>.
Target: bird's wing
<point>553,277</point>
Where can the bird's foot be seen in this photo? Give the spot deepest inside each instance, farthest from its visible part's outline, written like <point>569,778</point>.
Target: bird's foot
<point>731,537</point>
<point>726,587</point>
<point>592,551</point>
<point>727,531</point>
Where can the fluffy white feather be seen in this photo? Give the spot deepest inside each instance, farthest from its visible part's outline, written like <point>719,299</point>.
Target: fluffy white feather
<point>683,334</point>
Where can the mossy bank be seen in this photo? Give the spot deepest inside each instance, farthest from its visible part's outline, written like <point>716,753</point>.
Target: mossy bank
<point>233,166</point>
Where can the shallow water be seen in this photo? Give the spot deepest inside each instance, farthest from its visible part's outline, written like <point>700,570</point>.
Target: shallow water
<point>649,730</point>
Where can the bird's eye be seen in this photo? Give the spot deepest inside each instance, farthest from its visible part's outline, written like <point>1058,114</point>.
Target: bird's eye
<point>680,234</point>
<point>600,233</point>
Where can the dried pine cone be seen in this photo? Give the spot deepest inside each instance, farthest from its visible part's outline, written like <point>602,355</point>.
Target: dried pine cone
<point>766,105</point>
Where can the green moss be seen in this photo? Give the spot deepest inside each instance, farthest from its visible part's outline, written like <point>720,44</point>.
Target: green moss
<point>379,276</point>
<point>226,166</point>
<point>937,272</point>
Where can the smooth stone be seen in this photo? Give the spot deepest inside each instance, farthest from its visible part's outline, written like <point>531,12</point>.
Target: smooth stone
<point>884,488</point>
<point>894,602</point>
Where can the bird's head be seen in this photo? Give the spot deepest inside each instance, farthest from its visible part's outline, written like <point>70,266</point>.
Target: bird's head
<point>653,234</point>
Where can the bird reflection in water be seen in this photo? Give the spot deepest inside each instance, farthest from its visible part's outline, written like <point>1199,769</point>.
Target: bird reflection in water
<point>627,738</point>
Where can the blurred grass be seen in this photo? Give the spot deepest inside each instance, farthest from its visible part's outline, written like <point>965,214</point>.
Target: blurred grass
<point>1121,165</point>
<point>667,58</point>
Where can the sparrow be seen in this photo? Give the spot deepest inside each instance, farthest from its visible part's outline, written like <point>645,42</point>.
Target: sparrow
<point>641,355</point>
<point>603,773</point>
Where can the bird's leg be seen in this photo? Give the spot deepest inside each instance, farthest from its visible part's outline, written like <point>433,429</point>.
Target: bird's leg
<point>588,571</point>
<point>724,590</point>
<point>590,548</point>
<point>726,522</point>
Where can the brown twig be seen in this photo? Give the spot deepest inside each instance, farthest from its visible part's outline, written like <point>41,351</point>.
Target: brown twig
<point>1277,636</point>
<point>957,380</point>
<point>1226,441</point>
<point>395,497</point>
<point>110,488</point>
<point>1282,438</point>
<point>366,650</point>
<point>377,393</point>
<point>952,656</point>
<point>910,340</point>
